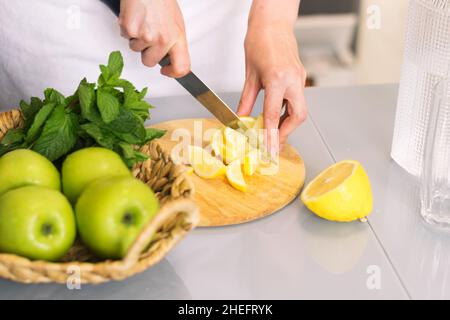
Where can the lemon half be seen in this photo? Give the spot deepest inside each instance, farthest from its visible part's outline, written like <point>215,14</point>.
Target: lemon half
<point>340,193</point>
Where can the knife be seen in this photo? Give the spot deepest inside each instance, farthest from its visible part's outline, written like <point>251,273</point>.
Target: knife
<point>211,101</point>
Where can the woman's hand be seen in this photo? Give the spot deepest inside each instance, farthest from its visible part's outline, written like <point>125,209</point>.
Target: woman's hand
<point>156,28</point>
<point>273,64</point>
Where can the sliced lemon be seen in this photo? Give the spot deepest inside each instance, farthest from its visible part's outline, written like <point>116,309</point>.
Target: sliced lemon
<point>204,164</point>
<point>267,168</point>
<point>340,193</point>
<point>251,161</point>
<point>255,133</point>
<point>189,170</point>
<point>217,143</point>
<point>249,122</point>
<point>259,122</point>
<point>235,176</point>
<point>235,145</point>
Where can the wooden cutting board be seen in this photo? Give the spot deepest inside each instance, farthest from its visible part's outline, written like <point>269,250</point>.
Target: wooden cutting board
<point>220,204</point>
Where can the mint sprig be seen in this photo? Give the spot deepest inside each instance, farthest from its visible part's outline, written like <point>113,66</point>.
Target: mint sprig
<point>110,113</point>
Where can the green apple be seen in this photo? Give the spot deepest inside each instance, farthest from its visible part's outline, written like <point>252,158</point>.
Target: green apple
<point>24,167</point>
<point>36,222</point>
<point>111,212</point>
<point>86,165</point>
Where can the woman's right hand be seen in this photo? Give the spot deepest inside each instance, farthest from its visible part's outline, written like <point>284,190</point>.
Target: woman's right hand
<point>156,28</point>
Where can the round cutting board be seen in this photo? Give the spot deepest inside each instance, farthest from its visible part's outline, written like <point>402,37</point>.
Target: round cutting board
<point>220,204</point>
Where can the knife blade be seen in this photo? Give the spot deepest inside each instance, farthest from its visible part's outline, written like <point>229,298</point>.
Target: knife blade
<point>211,101</point>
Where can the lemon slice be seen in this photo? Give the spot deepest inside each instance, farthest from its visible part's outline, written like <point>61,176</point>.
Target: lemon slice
<point>251,161</point>
<point>204,164</point>
<point>267,168</point>
<point>235,145</point>
<point>259,122</point>
<point>256,132</point>
<point>340,193</point>
<point>235,177</point>
<point>249,122</point>
<point>217,144</point>
<point>189,170</point>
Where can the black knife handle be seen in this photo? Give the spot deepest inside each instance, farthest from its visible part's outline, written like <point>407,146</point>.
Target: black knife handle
<point>114,5</point>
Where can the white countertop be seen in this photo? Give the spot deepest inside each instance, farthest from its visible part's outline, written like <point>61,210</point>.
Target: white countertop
<point>294,254</point>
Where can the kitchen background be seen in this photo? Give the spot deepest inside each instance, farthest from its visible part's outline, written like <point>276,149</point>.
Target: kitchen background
<point>351,42</point>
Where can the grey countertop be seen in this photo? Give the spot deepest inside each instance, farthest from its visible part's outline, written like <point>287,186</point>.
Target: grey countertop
<point>293,254</point>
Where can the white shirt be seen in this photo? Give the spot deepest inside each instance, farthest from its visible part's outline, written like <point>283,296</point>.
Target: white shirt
<point>55,43</point>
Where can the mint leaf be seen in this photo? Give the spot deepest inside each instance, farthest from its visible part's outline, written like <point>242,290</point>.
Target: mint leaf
<point>13,136</point>
<point>39,121</point>
<point>104,76</point>
<point>133,101</point>
<point>107,104</point>
<point>142,94</point>
<point>140,105</point>
<point>86,95</point>
<point>127,150</point>
<point>121,83</point>
<point>130,96</point>
<point>153,133</point>
<point>13,139</point>
<point>115,64</point>
<point>131,156</point>
<point>29,111</point>
<point>51,95</point>
<point>128,127</point>
<point>101,136</point>
<point>59,134</point>
<point>113,70</point>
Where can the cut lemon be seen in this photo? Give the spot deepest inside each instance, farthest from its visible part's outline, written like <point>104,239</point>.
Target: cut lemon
<point>235,177</point>
<point>259,122</point>
<point>256,132</point>
<point>204,164</point>
<point>217,144</point>
<point>267,168</point>
<point>251,161</point>
<point>189,170</point>
<point>235,145</point>
<point>340,193</point>
<point>249,122</point>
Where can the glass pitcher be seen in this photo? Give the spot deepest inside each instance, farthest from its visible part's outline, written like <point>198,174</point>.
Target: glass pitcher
<point>435,177</point>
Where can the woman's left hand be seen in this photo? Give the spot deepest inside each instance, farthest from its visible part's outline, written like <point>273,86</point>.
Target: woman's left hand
<point>273,65</point>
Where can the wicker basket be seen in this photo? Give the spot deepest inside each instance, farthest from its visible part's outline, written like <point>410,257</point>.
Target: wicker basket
<point>177,216</point>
